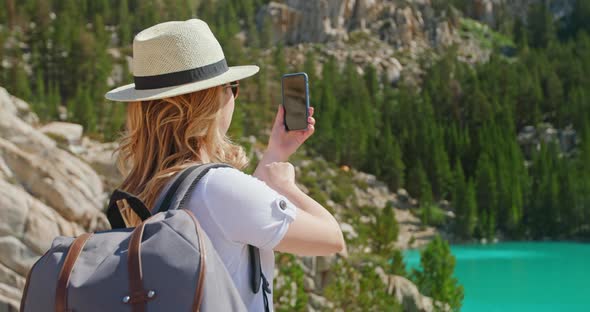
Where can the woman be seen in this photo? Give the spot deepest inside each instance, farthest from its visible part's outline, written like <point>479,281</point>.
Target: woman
<point>180,109</point>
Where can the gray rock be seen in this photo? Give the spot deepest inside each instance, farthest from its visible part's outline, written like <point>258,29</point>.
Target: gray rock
<point>348,230</point>
<point>402,195</point>
<point>568,140</point>
<point>308,284</point>
<point>59,179</point>
<point>103,159</point>
<point>14,106</point>
<point>67,132</point>
<point>408,295</point>
<point>320,303</point>
<point>444,204</point>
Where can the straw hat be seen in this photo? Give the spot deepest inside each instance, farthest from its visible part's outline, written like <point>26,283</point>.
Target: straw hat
<point>174,58</point>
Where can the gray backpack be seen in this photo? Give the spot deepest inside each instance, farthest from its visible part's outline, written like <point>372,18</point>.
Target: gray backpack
<point>165,264</point>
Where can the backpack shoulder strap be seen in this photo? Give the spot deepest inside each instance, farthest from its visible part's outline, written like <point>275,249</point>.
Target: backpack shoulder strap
<point>184,183</point>
<point>114,215</point>
<point>175,197</point>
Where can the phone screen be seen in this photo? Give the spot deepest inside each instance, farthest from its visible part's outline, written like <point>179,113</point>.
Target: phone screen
<point>295,102</point>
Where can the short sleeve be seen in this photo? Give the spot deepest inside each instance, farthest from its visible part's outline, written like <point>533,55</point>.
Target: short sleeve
<point>245,208</point>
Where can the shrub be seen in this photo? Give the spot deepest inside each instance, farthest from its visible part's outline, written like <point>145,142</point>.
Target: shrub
<point>436,278</point>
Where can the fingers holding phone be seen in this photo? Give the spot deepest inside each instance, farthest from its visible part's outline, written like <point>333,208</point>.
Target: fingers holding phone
<point>294,122</point>
<point>283,143</point>
<point>280,118</point>
<point>310,119</point>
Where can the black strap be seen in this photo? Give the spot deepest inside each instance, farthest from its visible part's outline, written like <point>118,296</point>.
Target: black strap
<point>266,288</point>
<point>257,276</point>
<point>114,214</point>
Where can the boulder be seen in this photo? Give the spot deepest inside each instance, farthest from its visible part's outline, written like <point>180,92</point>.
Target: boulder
<point>14,106</point>
<point>61,180</point>
<point>308,284</point>
<point>444,204</point>
<point>69,133</point>
<point>408,295</point>
<point>402,195</point>
<point>102,157</point>
<point>320,303</point>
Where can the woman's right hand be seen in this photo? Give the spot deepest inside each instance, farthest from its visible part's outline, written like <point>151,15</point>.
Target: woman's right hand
<point>283,143</point>
<point>279,175</point>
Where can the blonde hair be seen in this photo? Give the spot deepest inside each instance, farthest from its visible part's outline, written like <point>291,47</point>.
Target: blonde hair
<point>164,136</point>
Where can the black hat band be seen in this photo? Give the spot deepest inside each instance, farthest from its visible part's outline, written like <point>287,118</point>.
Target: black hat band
<point>181,77</point>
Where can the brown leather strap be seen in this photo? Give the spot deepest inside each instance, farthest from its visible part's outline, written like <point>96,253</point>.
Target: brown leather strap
<point>199,291</point>
<point>61,293</point>
<point>136,291</point>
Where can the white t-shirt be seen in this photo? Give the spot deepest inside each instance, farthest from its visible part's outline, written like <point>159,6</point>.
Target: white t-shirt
<point>236,210</point>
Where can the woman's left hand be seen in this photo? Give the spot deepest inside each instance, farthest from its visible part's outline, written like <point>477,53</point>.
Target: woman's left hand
<point>283,143</point>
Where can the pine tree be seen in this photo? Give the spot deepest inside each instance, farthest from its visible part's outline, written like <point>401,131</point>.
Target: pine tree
<point>266,33</point>
<point>426,202</point>
<point>389,159</point>
<point>444,178</point>
<point>398,266</point>
<point>470,210</point>
<point>579,18</point>
<point>520,33</point>
<point>40,101</point>
<point>553,92</point>
<point>486,194</point>
<point>125,23</point>
<point>372,83</point>
<point>436,278</point>
<point>20,82</point>
<point>386,230</point>
<point>88,116</point>
<point>54,101</point>
<point>309,67</point>
<point>326,140</point>
<point>462,228</point>
<point>540,25</point>
<point>279,59</point>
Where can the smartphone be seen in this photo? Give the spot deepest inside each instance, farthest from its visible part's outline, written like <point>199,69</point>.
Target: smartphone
<point>295,100</point>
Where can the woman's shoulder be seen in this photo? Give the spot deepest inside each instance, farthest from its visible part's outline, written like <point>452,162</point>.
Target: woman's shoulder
<point>231,179</point>
<point>245,208</point>
<point>231,173</point>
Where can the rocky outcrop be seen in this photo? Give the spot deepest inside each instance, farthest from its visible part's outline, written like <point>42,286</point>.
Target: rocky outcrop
<point>531,137</point>
<point>45,191</point>
<point>487,11</point>
<point>66,132</point>
<point>102,158</point>
<point>401,23</point>
<point>392,36</point>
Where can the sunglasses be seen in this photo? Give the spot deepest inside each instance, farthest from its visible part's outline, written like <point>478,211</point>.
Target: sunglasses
<point>235,88</point>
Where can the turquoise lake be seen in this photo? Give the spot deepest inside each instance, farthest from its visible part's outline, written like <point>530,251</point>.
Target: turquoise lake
<point>521,276</point>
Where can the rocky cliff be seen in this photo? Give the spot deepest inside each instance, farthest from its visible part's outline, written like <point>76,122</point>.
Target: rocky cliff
<point>392,36</point>
<point>45,191</point>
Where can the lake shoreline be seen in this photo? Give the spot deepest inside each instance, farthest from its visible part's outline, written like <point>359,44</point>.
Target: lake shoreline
<point>523,276</point>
